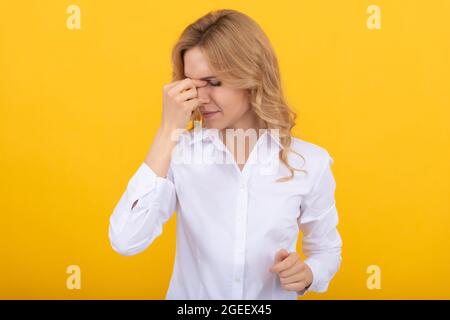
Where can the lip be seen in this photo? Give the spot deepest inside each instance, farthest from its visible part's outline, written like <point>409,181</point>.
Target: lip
<point>209,114</point>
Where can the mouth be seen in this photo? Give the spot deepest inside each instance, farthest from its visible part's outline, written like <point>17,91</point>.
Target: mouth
<point>209,114</point>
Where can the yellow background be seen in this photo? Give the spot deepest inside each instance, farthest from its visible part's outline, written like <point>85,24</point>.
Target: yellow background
<point>79,109</point>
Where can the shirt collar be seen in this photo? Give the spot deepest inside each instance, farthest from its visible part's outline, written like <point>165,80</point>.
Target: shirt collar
<point>201,134</point>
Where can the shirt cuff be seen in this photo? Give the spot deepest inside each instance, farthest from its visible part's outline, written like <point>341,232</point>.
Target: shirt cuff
<point>145,180</point>
<point>319,283</point>
<point>305,290</point>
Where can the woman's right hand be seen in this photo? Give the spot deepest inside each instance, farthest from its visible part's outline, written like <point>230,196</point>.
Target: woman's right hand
<point>179,102</point>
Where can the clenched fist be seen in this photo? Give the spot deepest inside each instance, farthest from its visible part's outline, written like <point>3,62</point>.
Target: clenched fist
<point>295,275</point>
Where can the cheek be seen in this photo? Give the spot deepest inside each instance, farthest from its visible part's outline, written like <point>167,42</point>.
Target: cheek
<point>231,102</point>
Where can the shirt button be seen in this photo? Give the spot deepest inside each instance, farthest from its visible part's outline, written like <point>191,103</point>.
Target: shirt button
<point>237,279</point>
<point>243,185</point>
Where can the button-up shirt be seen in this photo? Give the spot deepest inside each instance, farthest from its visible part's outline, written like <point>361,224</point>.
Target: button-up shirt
<point>231,222</point>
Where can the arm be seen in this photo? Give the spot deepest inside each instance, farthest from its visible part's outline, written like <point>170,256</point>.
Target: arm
<point>321,241</point>
<point>148,201</point>
<point>150,197</point>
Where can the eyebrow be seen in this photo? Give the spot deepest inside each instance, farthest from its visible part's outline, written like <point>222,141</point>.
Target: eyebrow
<point>205,78</point>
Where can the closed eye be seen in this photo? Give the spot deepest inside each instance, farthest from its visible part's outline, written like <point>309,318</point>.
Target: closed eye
<point>215,83</point>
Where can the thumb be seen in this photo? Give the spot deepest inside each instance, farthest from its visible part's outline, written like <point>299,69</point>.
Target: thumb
<point>281,255</point>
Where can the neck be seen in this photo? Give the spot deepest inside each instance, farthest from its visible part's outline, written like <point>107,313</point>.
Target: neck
<point>248,121</point>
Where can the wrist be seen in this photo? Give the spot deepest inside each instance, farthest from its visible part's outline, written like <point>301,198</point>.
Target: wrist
<point>169,134</point>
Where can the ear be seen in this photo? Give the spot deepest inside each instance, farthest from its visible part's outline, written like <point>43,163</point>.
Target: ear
<point>249,93</point>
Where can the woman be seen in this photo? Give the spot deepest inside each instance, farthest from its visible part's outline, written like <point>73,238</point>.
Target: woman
<point>239,206</point>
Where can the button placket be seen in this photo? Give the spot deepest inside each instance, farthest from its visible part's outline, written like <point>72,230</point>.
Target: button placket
<point>240,239</point>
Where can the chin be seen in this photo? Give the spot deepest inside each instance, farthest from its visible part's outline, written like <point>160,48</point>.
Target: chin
<point>213,125</point>
<point>209,126</point>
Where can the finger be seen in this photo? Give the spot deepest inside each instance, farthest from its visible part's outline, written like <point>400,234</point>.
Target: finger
<point>296,268</point>
<point>186,84</point>
<point>196,84</point>
<point>296,286</point>
<point>172,84</point>
<point>285,264</point>
<point>294,278</point>
<point>281,255</point>
<point>193,104</point>
<point>199,83</point>
<point>188,94</point>
<point>181,86</point>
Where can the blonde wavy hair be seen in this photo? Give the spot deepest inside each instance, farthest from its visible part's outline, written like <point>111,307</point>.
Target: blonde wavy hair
<point>240,54</point>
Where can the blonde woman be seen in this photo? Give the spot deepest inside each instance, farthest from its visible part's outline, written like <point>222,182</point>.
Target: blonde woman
<point>241,185</point>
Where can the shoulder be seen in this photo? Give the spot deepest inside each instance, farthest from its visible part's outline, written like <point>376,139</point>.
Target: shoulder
<point>312,157</point>
<point>310,149</point>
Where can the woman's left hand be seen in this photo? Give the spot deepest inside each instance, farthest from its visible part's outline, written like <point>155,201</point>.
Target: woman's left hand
<point>295,275</point>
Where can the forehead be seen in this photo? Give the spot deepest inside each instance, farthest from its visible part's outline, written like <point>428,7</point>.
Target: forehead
<point>195,64</point>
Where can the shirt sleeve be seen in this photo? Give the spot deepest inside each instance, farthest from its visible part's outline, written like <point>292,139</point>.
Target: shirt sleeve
<point>321,241</point>
<point>147,203</point>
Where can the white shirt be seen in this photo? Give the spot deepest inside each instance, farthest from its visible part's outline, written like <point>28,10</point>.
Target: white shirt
<point>230,224</point>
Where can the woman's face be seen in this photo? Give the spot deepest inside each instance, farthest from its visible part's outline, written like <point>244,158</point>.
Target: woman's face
<point>230,106</point>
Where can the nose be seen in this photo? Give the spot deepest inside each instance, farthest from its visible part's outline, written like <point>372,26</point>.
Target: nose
<point>203,93</point>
